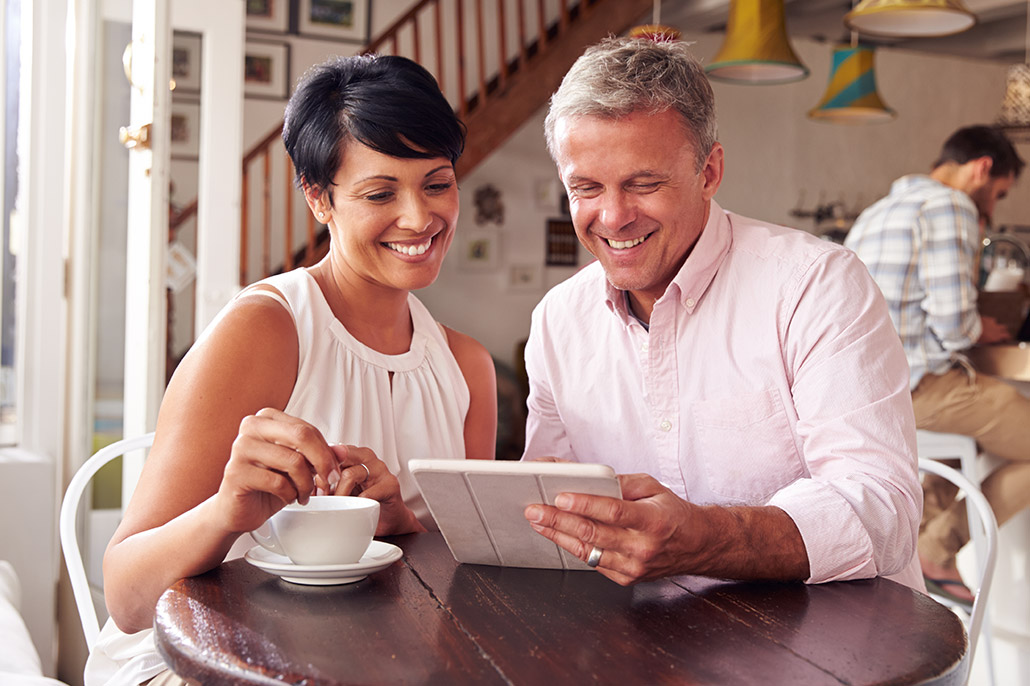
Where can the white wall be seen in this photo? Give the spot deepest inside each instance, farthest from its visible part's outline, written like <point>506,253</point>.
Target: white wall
<point>773,151</point>
<point>484,304</point>
<point>773,154</point>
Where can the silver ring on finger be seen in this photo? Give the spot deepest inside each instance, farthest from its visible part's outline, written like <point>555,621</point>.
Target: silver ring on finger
<point>367,473</point>
<point>594,558</point>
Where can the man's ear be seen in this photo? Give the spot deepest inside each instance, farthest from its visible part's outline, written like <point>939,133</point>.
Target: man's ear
<point>712,171</point>
<point>981,169</point>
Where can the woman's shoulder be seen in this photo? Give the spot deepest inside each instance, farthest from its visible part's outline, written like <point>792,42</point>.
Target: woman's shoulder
<point>255,327</point>
<point>465,347</point>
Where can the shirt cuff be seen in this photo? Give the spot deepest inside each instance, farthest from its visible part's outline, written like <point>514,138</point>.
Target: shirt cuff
<point>837,543</point>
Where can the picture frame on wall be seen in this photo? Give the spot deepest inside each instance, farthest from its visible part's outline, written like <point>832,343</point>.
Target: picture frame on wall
<point>345,20</point>
<point>480,251</point>
<point>186,62</point>
<point>525,277</point>
<point>185,130</point>
<point>268,15</point>
<point>266,69</point>
<point>562,244</point>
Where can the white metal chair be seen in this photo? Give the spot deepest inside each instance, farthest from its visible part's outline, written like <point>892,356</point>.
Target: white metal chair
<point>69,527</point>
<point>983,523</point>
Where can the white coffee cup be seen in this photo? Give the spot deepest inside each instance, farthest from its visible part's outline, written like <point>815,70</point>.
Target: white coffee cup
<point>328,530</point>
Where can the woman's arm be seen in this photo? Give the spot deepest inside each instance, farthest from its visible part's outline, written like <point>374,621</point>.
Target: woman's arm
<point>192,501</point>
<point>478,369</point>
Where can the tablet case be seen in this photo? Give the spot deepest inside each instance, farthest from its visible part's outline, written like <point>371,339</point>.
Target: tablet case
<point>479,504</point>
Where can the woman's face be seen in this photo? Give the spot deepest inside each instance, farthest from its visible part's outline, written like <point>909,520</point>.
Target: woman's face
<point>391,219</point>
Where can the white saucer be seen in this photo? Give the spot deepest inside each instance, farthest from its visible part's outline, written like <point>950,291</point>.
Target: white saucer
<point>379,555</point>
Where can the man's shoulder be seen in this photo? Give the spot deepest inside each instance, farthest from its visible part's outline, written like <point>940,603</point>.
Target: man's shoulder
<point>587,284</point>
<point>918,190</point>
<point>766,240</point>
<point>911,197</point>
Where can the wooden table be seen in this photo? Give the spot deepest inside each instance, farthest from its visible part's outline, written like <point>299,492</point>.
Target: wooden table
<point>428,620</point>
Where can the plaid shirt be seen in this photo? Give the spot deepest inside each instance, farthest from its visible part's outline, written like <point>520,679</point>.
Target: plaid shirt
<point>921,245</point>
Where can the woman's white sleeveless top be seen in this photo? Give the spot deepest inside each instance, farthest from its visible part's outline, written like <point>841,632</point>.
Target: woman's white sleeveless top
<point>403,407</point>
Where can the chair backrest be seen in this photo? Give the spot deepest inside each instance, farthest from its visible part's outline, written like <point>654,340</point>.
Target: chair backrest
<point>68,525</point>
<point>975,502</point>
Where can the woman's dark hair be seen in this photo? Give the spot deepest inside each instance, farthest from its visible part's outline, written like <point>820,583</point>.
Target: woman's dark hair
<point>974,142</point>
<point>388,103</point>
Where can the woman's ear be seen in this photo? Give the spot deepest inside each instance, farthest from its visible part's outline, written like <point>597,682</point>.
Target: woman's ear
<point>318,201</point>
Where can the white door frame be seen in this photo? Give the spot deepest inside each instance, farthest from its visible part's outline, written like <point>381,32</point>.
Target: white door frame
<point>221,26</point>
<point>146,238</point>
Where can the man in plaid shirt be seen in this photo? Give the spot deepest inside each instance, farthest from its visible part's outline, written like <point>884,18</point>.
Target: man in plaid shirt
<point>921,244</point>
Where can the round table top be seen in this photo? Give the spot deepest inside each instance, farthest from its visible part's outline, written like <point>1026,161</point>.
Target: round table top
<point>427,619</point>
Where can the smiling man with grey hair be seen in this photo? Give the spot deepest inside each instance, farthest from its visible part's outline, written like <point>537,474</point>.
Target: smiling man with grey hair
<point>743,378</point>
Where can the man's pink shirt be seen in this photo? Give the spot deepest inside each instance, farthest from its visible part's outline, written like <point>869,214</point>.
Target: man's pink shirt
<point>771,375</point>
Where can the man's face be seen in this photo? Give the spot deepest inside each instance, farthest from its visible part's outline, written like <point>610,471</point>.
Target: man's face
<point>637,200</point>
<point>985,195</point>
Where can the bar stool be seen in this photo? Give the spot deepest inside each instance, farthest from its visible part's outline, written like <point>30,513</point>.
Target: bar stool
<point>934,445</point>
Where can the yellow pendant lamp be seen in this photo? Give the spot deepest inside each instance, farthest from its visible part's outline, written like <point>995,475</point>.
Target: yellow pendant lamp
<point>756,49</point>
<point>851,96</point>
<point>909,18</point>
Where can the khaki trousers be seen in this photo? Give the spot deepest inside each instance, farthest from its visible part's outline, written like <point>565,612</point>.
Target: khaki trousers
<point>998,417</point>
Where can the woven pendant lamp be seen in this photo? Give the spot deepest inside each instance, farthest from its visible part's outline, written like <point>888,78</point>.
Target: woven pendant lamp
<point>1014,116</point>
<point>1015,106</point>
<point>756,49</point>
<point>851,96</point>
<point>910,18</point>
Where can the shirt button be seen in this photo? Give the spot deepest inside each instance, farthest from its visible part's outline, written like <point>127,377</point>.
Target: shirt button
<point>690,302</point>
<point>665,425</point>
<point>643,347</point>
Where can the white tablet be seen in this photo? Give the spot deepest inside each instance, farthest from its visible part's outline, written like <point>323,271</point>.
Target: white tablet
<point>478,505</point>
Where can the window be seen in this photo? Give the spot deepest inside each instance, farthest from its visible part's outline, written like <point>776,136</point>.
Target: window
<point>10,64</point>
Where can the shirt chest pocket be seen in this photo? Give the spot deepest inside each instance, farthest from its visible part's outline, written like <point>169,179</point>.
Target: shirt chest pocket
<point>747,446</point>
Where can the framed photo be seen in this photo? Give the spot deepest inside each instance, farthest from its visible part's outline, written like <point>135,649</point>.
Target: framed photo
<point>337,19</point>
<point>268,15</point>
<point>562,244</point>
<point>479,251</point>
<point>181,268</point>
<point>266,68</point>
<point>185,130</point>
<point>525,277</point>
<point>186,62</point>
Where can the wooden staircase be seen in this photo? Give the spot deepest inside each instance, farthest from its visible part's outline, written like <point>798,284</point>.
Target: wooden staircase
<point>497,62</point>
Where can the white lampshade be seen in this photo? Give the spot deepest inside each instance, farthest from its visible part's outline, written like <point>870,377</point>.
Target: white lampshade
<point>910,18</point>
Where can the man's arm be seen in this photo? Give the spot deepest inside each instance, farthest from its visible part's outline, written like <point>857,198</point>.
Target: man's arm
<point>652,533</point>
<point>950,238</point>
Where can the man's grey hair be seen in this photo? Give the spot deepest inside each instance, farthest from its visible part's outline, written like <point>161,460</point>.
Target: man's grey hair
<point>620,76</point>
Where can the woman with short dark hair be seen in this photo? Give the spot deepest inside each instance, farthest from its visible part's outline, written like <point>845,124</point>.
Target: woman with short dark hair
<point>324,378</point>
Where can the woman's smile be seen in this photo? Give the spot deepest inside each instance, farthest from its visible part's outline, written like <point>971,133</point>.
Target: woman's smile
<point>411,249</point>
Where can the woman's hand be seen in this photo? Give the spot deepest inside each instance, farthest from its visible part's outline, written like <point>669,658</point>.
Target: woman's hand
<point>276,459</point>
<point>361,472</point>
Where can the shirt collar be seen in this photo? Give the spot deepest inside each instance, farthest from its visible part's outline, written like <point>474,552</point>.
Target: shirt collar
<point>697,272</point>
<point>911,181</point>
